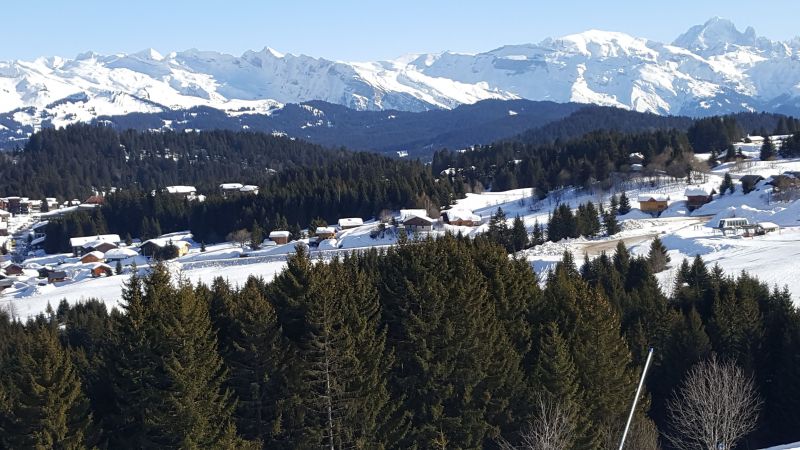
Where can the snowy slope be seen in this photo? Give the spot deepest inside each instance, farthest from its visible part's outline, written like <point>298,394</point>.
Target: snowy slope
<point>712,68</point>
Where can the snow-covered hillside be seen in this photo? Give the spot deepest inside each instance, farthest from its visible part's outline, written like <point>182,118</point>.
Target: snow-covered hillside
<point>712,68</point>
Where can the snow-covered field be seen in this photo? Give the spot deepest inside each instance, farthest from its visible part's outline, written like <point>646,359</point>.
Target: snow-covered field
<point>774,258</point>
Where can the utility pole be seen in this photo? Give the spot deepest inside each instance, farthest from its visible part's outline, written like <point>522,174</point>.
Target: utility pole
<point>636,399</point>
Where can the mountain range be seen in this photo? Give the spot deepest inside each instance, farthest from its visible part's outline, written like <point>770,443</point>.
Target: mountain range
<point>712,68</point>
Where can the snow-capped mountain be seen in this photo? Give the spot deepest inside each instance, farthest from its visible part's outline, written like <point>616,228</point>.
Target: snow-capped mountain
<point>712,68</point>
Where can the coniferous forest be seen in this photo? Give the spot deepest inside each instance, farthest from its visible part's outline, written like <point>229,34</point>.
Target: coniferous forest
<point>432,344</point>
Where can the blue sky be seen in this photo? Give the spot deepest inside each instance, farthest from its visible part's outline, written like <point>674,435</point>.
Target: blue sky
<point>352,29</point>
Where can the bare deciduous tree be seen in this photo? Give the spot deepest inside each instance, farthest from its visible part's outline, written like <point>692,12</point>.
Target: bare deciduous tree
<point>643,435</point>
<point>715,407</point>
<point>241,237</point>
<point>553,427</point>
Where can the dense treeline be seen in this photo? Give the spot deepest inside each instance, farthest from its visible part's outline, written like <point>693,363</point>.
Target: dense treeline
<point>71,162</point>
<point>307,182</point>
<point>359,187</point>
<point>437,344</point>
<point>592,118</point>
<point>579,162</point>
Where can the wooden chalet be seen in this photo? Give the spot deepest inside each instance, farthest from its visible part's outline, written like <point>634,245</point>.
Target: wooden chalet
<point>653,204</point>
<point>280,237</point>
<point>323,233</point>
<point>56,276</point>
<point>461,217</point>
<point>697,197</point>
<point>415,223</point>
<point>98,270</point>
<point>749,182</point>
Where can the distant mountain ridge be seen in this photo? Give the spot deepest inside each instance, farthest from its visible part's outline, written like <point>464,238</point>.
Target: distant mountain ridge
<point>712,68</point>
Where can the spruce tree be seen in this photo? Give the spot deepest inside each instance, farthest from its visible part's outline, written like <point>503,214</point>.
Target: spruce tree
<point>289,293</point>
<point>613,205</point>
<point>166,371</point>
<point>537,235</point>
<point>254,351</point>
<point>256,236</point>
<point>727,184</point>
<point>768,151</point>
<point>624,204</point>
<point>555,371</point>
<point>657,257</point>
<point>48,408</point>
<point>610,223</point>
<point>519,235</point>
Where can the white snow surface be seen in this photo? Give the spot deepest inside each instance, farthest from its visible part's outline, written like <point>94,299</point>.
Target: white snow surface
<point>709,69</point>
<point>772,257</point>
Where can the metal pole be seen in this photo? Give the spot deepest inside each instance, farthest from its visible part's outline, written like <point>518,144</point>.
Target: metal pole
<point>636,399</point>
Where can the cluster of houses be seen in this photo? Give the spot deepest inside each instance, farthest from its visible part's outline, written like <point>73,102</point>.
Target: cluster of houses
<point>696,196</point>
<point>412,220</point>
<point>93,256</point>
<point>225,189</point>
<point>96,256</point>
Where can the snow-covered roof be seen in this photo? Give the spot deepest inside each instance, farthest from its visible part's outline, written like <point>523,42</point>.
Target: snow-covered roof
<point>81,241</point>
<point>93,244</point>
<point>406,213</point>
<point>275,234</point>
<point>767,225</point>
<point>120,253</point>
<point>653,197</point>
<point>230,186</point>
<point>163,242</point>
<point>423,217</point>
<point>697,191</point>
<point>248,188</point>
<point>351,222</point>
<point>180,189</point>
<point>177,235</point>
<point>4,213</point>
<point>96,254</point>
<point>456,214</point>
<point>326,230</point>
<point>38,240</point>
<point>96,265</point>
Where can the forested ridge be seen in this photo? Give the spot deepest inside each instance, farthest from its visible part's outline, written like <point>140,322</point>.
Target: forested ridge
<point>74,161</point>
<point>595,151</point>
<point>434,344</point>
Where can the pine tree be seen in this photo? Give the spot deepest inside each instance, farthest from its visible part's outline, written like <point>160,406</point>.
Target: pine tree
<point>131,370</point>
<point>289,294</point>
<point>606,382</point>
<point>768,151</point>
<point>657,257</point>
<point>519,235</point>
<point>537,235</point>
<point>498,229</point>
<point>727,184</point>
<point>624,204</point>
<point>194,410</point>
<point>256,236</point>
<point>255,353</point>
<point>555,371</point>
<point>610,223</point>
<point>730,153</point>
<point>613,205</point>
<point>166,372</point>
<point>118,268</point>
<point>48,408</point>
